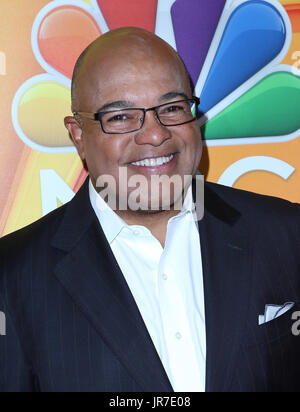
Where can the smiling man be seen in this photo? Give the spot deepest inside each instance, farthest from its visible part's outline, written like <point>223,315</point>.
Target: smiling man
<point>133,294</point>
<point>120,72</point>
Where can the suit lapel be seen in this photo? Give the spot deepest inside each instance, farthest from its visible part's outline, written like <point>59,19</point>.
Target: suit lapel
<point>90,274</point>
<point>226,272</point>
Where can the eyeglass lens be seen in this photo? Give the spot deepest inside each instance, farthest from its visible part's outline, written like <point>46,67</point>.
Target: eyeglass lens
<point>171,114</point>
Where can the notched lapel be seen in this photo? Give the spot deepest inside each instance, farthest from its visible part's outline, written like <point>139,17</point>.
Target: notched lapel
<point>90,274</point>
<point>227,277</point>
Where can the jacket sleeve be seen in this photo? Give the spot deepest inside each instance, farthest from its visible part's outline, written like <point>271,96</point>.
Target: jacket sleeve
<point>15,372</point>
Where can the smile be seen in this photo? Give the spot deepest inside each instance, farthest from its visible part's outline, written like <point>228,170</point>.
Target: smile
<point>160,161</point>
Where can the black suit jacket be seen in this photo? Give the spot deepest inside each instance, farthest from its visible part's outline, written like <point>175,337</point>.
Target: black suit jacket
<point>73,325</point>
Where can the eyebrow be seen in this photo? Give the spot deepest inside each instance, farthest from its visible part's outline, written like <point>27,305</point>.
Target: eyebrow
<point>120,104</point>
<point>124,104</point>
<point>173,95</point>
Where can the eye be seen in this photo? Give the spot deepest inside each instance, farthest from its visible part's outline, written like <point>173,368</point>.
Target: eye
<point>174,108</point>
<point>118,118</point>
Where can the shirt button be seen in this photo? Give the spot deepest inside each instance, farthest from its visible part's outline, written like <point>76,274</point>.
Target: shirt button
<point>178,335</point>
<point>165,276</point>
<point>136,232</point>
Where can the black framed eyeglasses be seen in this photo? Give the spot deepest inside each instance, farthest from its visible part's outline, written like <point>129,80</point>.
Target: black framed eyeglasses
<point>131,120</point>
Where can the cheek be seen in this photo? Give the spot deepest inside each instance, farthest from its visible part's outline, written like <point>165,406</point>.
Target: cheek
<point>196,140</point>
<point>192,146</point>
<point>199,143</point>
<point>104,152</point>
<point>198,147</point>
<point>192,141</point>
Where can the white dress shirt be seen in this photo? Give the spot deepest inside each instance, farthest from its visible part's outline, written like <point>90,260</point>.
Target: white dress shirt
<point>167,285</point>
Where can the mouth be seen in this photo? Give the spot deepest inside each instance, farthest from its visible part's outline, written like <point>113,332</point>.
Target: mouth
<point>155,165</point>
<point>155,161</point>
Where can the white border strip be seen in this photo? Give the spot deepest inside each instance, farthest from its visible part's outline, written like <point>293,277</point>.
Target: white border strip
<point>98,16</point>
<point>164,25</point>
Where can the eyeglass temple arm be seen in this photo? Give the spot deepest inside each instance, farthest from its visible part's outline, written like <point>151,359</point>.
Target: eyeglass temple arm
<point>91,116</point>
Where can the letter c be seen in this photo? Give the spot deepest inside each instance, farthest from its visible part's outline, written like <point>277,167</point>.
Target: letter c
<point>255,163</point>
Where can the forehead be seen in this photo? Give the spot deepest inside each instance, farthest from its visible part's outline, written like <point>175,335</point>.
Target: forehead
<point>140,74</point>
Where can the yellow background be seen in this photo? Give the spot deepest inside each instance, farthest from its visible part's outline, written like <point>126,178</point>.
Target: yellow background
<point>20,194</point>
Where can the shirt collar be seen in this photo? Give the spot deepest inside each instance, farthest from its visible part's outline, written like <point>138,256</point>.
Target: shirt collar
<point>188,204</point>
<point>112,224</point>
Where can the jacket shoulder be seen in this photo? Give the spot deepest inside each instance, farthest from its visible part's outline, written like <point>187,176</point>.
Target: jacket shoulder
<point>252,204</point>
<point>35,235</point>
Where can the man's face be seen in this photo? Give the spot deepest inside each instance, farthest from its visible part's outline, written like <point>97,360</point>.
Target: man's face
<point>137,80</point>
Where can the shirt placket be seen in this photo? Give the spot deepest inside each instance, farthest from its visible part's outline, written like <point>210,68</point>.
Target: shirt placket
<point>183,361</point>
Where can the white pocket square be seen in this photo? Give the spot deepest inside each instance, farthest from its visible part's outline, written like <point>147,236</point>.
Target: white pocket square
<point>273,312</point>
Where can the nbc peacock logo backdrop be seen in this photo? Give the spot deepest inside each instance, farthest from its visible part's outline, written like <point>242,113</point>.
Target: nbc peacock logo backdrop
<point>243,57</point>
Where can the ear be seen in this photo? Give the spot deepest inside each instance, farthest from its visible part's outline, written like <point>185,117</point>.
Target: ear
<point>75,131</point>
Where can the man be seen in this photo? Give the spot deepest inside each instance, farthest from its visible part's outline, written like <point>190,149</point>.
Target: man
<point>137,299</point>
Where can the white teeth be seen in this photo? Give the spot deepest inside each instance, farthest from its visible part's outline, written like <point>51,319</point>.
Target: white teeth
<point>154,162</point>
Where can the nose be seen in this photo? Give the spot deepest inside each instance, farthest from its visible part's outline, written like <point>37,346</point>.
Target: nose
<point>152,131</point>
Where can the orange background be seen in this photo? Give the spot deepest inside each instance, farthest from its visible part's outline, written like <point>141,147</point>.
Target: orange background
<point>17,207</point>
<point>20,166</point>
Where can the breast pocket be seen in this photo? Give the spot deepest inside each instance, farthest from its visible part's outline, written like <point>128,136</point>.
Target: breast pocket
<point>286,325</point>
<point>269,357</point>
